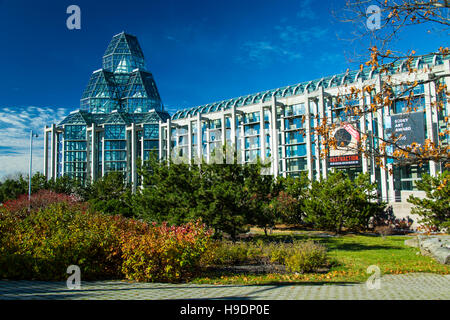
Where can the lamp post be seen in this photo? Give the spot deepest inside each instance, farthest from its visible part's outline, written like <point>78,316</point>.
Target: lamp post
<point>31,163</point>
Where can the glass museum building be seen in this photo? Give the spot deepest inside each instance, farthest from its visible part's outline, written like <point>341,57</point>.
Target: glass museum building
<point>122,119</point>
<point>117,123</point>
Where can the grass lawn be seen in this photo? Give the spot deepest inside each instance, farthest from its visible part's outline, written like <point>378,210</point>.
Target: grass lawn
<point>350,254</point>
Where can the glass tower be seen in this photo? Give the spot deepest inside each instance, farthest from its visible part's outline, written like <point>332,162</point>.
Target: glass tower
<point>123,84</point>
<point>117,123</point>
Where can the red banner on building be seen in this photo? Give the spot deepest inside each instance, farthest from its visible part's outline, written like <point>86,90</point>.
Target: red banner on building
<point>347,160</point>
<point>352,131</point>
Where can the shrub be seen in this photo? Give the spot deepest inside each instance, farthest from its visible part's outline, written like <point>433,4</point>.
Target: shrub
<point>12,188</point>
<point>39,200</point>
<point>296,257</point>
<point>236,253</point>
<point>383,218</point>
<point>43,243</point>
<point>306,257</point>
<point>385,230</point>
<point>165,253</point>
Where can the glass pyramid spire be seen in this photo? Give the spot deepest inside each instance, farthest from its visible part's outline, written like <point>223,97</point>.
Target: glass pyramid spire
<point>123,54</point>
<point>122,84</point>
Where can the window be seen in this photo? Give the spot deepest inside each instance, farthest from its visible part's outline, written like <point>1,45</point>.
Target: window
<point>151,131</point>
<point>296,164</point>
<point>114,132</point>
<point>252,117</point>
<point>295,110</point>
<point>416,104</point>
<point>296,151</point>
<point>75,132</point>
<point>151,144</point>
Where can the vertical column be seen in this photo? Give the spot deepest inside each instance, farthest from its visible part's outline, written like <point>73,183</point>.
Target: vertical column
<point>321,107</point>
<point>224,129</point>
<point>53,151</point>
<point>317,142</point>
<point>142,142</point>
<point>370,128</point>
<point>390,174</point>
<point>208,141</point>
<point>274,140</point>
<point>133,157</point>
<point>199,138</point>
<point>430,100</point>
<point>63,149</point>
<point>169,138</point>
<point>363,129</point>
<point>189,138</point>
<point>103,153</point>
<point>308,137</point>
<point>330,123</point>
<point>93,154</point>
<point>389,167</point>
<point>241,151</point>
<point>283,144</point>
<point>383,169</point>
<point>262,134</point>
<point>161,141</point>
<point>46,152</point>
<point>233,127</point>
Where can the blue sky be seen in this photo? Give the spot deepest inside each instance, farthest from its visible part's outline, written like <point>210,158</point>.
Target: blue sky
<point>198,51</point>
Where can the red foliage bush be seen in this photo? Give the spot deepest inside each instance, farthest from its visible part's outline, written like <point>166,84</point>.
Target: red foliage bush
<point>39,200</point>
<point>58,232</point>
<point>165,253</point>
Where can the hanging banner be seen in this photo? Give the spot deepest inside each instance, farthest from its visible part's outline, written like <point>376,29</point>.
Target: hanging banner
<point>410,127</point>
<point>346,154</point>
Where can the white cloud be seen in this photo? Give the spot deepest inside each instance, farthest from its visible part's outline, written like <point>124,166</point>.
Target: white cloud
<point>15,126</point>
<point>305,11</point>
<point>286,45</point>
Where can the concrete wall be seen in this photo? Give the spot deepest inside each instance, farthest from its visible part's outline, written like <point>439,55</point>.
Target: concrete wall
<point>403,208</point>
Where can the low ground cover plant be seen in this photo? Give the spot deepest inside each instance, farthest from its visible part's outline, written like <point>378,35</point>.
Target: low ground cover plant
<point>349,255</point>
<point>298,256</point>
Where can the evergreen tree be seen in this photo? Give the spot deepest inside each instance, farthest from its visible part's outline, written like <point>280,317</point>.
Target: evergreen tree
<point>338,202</point>
<point>111,195</point>
<point>435,208</point>
<point>169,191</point>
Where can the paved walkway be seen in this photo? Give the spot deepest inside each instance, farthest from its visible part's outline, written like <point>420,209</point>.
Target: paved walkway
<point>417,286</point>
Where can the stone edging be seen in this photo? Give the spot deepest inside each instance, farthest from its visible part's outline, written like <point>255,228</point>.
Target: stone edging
<point>437,247</point>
